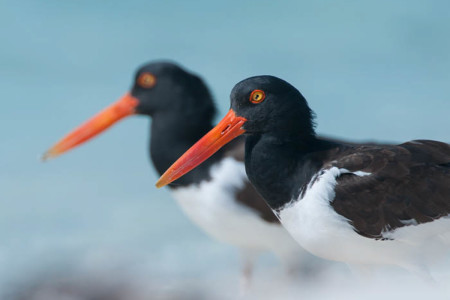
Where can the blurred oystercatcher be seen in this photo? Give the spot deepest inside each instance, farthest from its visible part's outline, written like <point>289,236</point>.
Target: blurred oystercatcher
<point>361,204</point>
<point>217,196</point>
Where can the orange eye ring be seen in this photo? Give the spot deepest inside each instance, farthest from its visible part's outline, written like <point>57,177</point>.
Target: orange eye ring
<point>146,80</point>
<point>257,96</point>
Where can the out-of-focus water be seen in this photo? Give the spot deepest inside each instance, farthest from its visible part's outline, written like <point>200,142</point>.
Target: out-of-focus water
<point>375,70</point>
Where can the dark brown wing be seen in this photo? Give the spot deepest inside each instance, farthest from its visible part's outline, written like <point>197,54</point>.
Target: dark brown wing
<point>248,196</point>
<point>408,184</point>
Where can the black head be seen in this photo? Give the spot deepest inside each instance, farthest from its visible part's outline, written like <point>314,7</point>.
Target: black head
<point>272,106</point>
<point>261,106</point>
<point>178,101</point>
<point>166,88</point>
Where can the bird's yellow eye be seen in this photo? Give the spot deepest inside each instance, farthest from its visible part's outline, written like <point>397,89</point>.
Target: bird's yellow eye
<point>257,96</point>
<point>146,80</point>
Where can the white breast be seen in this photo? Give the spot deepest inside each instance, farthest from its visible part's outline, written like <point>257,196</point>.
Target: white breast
<point>213,207</point>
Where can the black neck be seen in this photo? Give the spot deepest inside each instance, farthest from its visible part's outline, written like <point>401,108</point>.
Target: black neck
<point>171,135</point>
<point>280,169</point>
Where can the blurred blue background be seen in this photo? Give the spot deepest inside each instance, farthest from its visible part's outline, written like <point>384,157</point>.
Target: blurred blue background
<point>370,71</point>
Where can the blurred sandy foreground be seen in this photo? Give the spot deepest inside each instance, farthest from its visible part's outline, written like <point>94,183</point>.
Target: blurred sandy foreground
<point>131,279</point>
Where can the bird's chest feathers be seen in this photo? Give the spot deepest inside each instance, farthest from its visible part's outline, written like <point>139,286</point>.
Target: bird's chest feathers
<point>277,171</point>
<point>272,173</point>
<point>311,219</point>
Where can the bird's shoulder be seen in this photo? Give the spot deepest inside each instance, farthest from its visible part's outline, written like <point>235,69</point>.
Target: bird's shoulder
<point>390,160</point>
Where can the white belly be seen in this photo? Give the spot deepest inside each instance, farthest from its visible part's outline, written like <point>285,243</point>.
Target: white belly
<point>213,207</point>
<point>314,224</point>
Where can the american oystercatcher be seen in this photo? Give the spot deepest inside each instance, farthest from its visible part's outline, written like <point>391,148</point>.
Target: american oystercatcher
<point>360,204</point>
<point>216,196</point>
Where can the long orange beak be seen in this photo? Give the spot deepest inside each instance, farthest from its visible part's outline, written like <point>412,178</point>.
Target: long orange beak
<point>125,106</point>
<point>227,129</point>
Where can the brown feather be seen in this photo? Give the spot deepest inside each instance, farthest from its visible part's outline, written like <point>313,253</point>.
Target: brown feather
<point>408,182</point>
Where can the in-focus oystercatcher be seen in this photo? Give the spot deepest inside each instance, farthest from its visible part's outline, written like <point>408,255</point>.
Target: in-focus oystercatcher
<point>361,204</point>
<point>217,196</point>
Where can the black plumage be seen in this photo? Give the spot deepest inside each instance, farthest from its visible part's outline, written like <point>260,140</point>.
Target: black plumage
<point>182,110</point>
<point>408,184</point>
<point>356,203</point>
